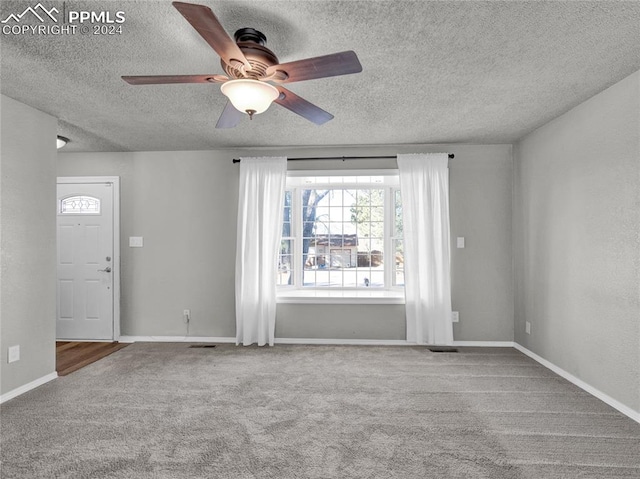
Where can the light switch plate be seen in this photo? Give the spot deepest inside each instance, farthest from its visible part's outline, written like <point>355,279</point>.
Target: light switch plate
<point>455,317</point>
<point>136,242</point>
<point>460,241</point>
<point>14,354</point>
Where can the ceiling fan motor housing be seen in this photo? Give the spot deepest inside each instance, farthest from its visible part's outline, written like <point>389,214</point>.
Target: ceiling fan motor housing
<point>250,35</point>
<point>251,42</point>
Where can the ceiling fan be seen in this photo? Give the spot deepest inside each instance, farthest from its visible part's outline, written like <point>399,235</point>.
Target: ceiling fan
<point>252,68</point>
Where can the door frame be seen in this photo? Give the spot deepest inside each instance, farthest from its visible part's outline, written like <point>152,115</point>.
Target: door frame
<point>115,183</point>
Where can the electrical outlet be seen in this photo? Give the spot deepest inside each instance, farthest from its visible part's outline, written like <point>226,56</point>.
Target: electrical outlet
<point>186,314</point>
<point>527,327</point>
<point>14,354</point>
<point>455,317</point>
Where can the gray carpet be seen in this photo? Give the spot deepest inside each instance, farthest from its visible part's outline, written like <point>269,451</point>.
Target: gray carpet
<point>169,411</point>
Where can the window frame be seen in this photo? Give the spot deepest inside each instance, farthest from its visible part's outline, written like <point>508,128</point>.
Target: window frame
<point>388,181</point>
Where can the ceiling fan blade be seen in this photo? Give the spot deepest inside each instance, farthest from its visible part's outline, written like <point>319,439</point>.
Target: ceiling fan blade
<point>230,117</point>
<point>167,79</point>
<point>302,107</point>
<point>342,63</point>
<point>207,25</point>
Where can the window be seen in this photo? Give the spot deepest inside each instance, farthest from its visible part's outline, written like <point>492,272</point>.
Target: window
<point>341,232</point>
<point>80,205</point>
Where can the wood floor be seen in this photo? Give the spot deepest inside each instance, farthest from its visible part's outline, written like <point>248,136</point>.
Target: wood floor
<point>71,355</point>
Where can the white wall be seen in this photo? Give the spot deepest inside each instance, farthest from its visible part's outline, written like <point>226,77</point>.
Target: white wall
<point>577,241</point>
<point>28,243</point>
<point>184,205</point>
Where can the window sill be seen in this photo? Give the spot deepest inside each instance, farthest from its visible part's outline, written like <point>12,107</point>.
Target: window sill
<point>324,296</point>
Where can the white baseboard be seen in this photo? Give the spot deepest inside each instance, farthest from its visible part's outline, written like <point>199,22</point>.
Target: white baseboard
<point>345,342</point>
<point>325,341</point>
<point>208,339</point>
<point>389,342</point>
<point>86,340</point>
<point>614,403</point>
<point>176,339</point>
<point>28,387</point>
<point>485,344</point>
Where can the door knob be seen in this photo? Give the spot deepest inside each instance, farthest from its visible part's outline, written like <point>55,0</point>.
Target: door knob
<point>106,270</point>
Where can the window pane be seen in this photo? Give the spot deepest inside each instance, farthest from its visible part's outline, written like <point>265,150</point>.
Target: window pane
<point>377,258</point>
<point>285,263</point>
<point>397,213</point>
<point>288,195</point>
<point>377,279</point>
<point>336,228</point>
<point>364,259</point>
<point>80,205</point>
<point>286,247</point>
<point>364,245</point>
<point>309,211</point>
<point>363,278</point>
<point>399,263</point>
<point>377,198</point>
<point>286,229</point>
<point>377,213</point>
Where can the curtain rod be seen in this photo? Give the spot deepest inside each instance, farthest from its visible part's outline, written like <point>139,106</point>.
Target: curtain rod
<point>343,158</point>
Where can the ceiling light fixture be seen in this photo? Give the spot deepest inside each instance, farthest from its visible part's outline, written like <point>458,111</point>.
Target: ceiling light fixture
<point>250,96</point>
<point>62,141</point>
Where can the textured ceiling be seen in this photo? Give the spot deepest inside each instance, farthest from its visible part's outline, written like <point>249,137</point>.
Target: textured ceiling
<point>433,72</point>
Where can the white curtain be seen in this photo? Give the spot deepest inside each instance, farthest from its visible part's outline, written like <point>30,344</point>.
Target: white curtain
<point>260,203</point>
<point>424,186</point>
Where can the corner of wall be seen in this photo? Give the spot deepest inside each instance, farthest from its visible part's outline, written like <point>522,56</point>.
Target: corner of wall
<point>27,244</point>
<point>576,238</point>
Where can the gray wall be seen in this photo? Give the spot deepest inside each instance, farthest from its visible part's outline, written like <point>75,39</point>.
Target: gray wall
<point>184,205</point>
<point>577,241</point>
<point>28,243</point>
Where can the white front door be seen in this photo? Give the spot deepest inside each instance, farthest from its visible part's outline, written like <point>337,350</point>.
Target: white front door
<point>86,265</point>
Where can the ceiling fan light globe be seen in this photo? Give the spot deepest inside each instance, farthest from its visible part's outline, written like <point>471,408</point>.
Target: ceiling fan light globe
<point>246,95</point>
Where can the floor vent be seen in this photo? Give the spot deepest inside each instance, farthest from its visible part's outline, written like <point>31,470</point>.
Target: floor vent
<point>201,346</point>
<point>442,349</point>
